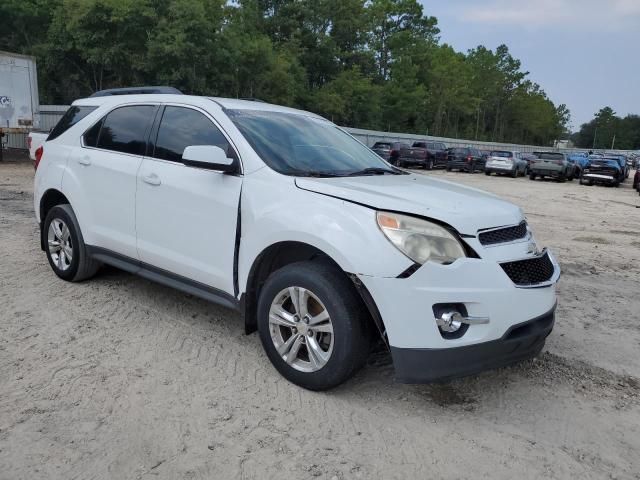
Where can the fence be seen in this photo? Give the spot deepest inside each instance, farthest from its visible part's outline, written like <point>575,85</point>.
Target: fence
<point>50,114</point>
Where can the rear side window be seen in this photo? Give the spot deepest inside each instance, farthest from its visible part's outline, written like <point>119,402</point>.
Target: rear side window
<point>124,129</point>
<point>69,119</point>
<point>181,127</point>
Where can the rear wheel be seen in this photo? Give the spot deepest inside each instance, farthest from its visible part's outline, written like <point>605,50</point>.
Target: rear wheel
<point>487,173</point>
<point>532,176</point>
<point>514,174</point>
<point>448,168</point>
<point>472,168</point>
<point>64,245</point>
<point>312,325</point>
<point>430,165</point>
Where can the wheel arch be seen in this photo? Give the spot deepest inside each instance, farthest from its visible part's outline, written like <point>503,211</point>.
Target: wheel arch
<point>283,253</point>
<point>49,199</point>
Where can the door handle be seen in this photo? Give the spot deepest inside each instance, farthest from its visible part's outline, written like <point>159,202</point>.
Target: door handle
<point>84,160</point>
<point>151,179</point>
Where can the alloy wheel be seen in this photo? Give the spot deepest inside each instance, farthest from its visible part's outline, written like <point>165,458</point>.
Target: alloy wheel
<point>60,244</point>
<point>301,329</point>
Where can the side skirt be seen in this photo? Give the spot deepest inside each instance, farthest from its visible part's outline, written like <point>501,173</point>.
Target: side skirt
<point>163,277</point>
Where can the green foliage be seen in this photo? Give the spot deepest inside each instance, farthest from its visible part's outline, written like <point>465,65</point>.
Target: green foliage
<point>364,63</point>
<point>607,130</point>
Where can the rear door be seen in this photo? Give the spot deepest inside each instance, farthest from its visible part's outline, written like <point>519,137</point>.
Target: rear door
<point>102,172</point>
<point>186,217</point>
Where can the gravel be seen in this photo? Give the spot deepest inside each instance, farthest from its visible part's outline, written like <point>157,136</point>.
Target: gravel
<point>121,378</point>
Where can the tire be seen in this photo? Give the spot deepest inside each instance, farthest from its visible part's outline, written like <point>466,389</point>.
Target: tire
<point>330,292</point>
<point>487,173</point>
<point>532,176</point>
<point>430,165</point>
<point>472,168</point>
<point>448,168</point>
<point>61,226</point>
<point>514,174</point>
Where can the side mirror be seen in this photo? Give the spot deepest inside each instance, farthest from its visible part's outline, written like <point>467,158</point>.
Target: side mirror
<point>209,157</point>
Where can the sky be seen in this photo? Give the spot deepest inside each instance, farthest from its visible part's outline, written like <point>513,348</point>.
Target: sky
<point>584,53</point>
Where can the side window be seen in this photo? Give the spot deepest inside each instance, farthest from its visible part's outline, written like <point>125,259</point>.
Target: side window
<point>181,127</point>
<point>91,136</point>
<point>69,119</point>
<point>125,129</point>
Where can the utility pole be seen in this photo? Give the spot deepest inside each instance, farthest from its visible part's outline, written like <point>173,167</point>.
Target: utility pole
<point>594,138</point>
<point>613,142</point>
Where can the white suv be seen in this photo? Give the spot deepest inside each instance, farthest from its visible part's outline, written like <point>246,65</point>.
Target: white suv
<point>319,243</point>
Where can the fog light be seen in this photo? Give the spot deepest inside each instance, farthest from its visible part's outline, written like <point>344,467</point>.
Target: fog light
<point>450,322</point>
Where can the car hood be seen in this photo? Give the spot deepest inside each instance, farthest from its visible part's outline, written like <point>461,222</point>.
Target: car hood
<point>464,208</point>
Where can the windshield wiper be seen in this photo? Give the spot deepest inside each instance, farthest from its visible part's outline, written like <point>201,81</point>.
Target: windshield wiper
<point>374,171</point>
<point>314,173</point>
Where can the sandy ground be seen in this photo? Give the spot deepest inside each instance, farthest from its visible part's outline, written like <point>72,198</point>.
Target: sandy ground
<point>119,378</point>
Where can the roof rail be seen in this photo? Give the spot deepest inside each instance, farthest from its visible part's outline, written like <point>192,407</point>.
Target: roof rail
<point>135,91</point>
<point>252,99</point>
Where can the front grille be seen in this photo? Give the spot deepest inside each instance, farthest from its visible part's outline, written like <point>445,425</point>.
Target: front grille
<point>503,235</point>
<point>531,271</point>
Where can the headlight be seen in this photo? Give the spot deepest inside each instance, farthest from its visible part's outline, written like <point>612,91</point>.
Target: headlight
<point>420,240</point>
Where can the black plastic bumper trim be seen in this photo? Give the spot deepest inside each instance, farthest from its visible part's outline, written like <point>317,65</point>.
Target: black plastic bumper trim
<point>520,342</point>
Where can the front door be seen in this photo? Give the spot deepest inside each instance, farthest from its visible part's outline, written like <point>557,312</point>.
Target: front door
<point>186,217</point>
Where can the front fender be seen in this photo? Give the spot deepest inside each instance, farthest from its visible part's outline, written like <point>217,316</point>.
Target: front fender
<point>344,231</point>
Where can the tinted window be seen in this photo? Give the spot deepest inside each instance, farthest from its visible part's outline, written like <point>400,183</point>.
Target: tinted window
<point>382,145</point>
<point>549,155</point>
<point>91,135</point>
<point>69,119</point>
<point>437,146</point>
<point>125,129</point>
<point>182,127</point>
<point>500,153</point>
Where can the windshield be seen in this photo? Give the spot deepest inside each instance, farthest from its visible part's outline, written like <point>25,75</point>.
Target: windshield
<point>500,153</point>
<point>294,144</point>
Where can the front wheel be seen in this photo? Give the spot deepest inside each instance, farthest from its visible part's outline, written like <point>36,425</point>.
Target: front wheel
<point>312,325</point>
<point>430,165</point>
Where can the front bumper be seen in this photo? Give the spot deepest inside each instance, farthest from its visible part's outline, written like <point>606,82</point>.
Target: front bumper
<point>520,342</point>
<point>407,309</point>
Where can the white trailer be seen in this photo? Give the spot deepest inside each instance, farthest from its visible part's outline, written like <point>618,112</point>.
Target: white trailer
<point>19,102</point>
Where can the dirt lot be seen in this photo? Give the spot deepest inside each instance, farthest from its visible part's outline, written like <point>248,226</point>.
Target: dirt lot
<point>119,378</point>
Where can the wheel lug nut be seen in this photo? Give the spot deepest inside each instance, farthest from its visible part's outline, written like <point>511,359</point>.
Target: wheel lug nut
<point>310,333</point>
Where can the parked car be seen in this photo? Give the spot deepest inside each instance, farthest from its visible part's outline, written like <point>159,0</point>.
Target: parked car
<point>390,151</point>
<point>602,170</point>
<point>465,159</point>
<point>636,180</point>
<point>580,161</point>
<point>528,157</point>
<point>505,162</point>
<point>622,161</point>
<point>317,241</point>
<point>551,164</point>
<point>424,154</point>
<point>35,140</point>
